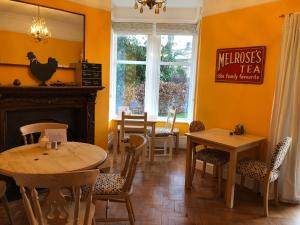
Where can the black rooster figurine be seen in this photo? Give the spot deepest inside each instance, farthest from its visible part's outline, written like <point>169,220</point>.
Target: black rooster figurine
<point>42,72</point>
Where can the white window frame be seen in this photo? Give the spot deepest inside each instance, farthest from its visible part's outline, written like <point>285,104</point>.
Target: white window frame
<point>153,63</point>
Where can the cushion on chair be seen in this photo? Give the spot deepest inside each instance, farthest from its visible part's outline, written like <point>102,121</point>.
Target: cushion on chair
<point>212,156</point>
<point>161,131</point>
<point>255,169</point>
<point>106,183</point>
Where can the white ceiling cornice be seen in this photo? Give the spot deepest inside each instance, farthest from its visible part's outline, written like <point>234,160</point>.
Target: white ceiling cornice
<point>98,4</point>
<point>212,7</point>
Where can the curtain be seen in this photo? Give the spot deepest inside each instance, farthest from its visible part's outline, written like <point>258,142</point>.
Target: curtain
<point>132,28</point>
<point>285,119</point>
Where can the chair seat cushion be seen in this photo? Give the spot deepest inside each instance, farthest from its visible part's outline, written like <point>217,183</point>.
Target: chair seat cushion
<point>212,156</point>
<point>255,169</point>
<point>161,131</point>
<point>106,183</point>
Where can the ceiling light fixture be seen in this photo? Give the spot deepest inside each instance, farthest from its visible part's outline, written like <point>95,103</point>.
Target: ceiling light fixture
<point>38,29</point>
<point>157,4</point>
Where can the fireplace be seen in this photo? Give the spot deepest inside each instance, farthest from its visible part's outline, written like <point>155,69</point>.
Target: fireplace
<point>19,106</point>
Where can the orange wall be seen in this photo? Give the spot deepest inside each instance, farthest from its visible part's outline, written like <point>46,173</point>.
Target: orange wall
<point>225,104</point>
<point>97,50</point>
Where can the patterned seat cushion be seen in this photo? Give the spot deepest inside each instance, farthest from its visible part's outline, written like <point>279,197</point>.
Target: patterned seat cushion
<point>161,131</point>
<point>255,169</point>
<point>106,183</point>
<point>212,156</point>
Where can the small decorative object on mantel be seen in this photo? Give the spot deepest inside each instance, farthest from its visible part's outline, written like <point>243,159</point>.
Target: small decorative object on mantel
<point>89,74</point>
<point>241,65</point>
<point>42,72</point>
<point>17,82</point>
<point>238,130</point>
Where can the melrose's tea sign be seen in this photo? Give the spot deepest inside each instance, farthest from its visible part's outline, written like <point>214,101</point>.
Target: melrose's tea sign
<point>241,65</point>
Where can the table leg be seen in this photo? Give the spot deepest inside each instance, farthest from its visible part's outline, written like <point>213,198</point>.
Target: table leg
<point>115,141</point>
<point>152,146</point>
<point>231,179</point>
<point>188,163</point>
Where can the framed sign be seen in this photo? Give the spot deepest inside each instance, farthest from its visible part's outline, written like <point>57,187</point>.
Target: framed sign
<point>241,65</point>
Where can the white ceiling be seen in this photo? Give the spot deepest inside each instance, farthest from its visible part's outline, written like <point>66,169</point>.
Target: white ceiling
<point>171,3</point>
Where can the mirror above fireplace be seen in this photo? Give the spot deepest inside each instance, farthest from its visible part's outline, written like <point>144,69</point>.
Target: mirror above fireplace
<point>66,43</point>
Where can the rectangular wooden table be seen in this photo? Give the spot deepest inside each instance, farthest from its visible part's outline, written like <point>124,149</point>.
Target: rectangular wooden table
<point>222,140</point>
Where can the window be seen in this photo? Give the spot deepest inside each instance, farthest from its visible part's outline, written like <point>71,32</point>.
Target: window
<point>153,72</point>
<point>131,72</point>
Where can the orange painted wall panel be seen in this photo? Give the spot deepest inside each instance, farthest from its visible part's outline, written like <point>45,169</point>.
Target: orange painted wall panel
<point>225,104</point>
<point>97,49</point>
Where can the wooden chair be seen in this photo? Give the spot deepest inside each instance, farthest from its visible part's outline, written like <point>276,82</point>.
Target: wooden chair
<point>29,130</point>
<point>266,172</point>
<point>118,187</point>
<point>57,209</point>
<point>208,155</point>
<point>132,124</point>
<point>4,200</point>
<point>166,134</point>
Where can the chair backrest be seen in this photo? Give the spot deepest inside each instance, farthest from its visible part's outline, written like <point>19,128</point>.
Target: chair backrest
<point>133,123</point>
<point>279,153</point>
<point>30,129</point>
<point>196,126</point>
<point>134,149</point>
<point>171,120</point>
<point>55,207</point>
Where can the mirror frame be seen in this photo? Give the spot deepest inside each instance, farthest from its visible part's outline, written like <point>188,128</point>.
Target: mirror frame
<point>55,8</point>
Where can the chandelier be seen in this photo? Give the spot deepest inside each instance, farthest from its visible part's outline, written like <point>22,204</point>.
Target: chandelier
<point>38,29</point>
<point>157,4</point>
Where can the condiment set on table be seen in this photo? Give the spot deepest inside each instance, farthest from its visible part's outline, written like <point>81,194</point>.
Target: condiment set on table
<point>53,138</point>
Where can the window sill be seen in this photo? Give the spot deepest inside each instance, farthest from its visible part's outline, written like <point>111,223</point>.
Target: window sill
<point>158,119</point>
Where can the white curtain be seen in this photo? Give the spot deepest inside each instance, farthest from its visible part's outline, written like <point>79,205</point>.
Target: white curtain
<point>286,108</point>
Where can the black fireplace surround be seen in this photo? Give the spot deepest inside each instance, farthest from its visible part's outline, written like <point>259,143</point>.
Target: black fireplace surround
<point>20,106</point>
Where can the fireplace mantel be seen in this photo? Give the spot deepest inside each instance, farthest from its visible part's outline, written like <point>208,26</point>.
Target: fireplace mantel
<point>39,100</point>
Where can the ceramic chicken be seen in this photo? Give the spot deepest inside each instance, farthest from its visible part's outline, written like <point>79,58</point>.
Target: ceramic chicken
<point>42,72</point>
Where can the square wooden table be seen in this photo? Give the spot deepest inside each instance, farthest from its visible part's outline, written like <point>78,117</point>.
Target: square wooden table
<point>222,140</point>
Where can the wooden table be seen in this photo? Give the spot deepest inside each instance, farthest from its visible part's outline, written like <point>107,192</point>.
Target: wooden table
<point>220,139</point>
<point>70,156</point>
<point>117,121</point>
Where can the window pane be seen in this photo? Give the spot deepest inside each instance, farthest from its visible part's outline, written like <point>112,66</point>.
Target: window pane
<point>132,47</point>
<point>130,87</point>
<point>176,48</point>
<point>174,90</point>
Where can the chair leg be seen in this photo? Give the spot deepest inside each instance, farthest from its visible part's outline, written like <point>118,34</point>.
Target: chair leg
<point>170,140</point>
<point>94,221</point>
<point>144,159</point>
<point>203,168</point>
<point>242,180</point>
<point>106,209</point>
<point>276,192</point>
<point>5,203</point>
<point>129,211</point>
<point>220,173</point>
<point>266,197</point>
<point>131,208</point>
<point>193,164</point>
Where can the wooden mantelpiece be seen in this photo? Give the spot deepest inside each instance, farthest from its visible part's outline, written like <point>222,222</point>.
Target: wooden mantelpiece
<point>23,105</point>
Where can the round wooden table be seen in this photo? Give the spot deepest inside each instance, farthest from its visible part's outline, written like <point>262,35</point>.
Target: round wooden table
<point>70,156</point>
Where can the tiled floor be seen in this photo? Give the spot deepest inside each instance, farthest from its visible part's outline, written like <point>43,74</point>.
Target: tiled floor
<point>160,199</point>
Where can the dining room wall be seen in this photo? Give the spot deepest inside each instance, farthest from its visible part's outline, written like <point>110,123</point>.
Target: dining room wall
<point>226,104</point>
<point>97,50</point>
